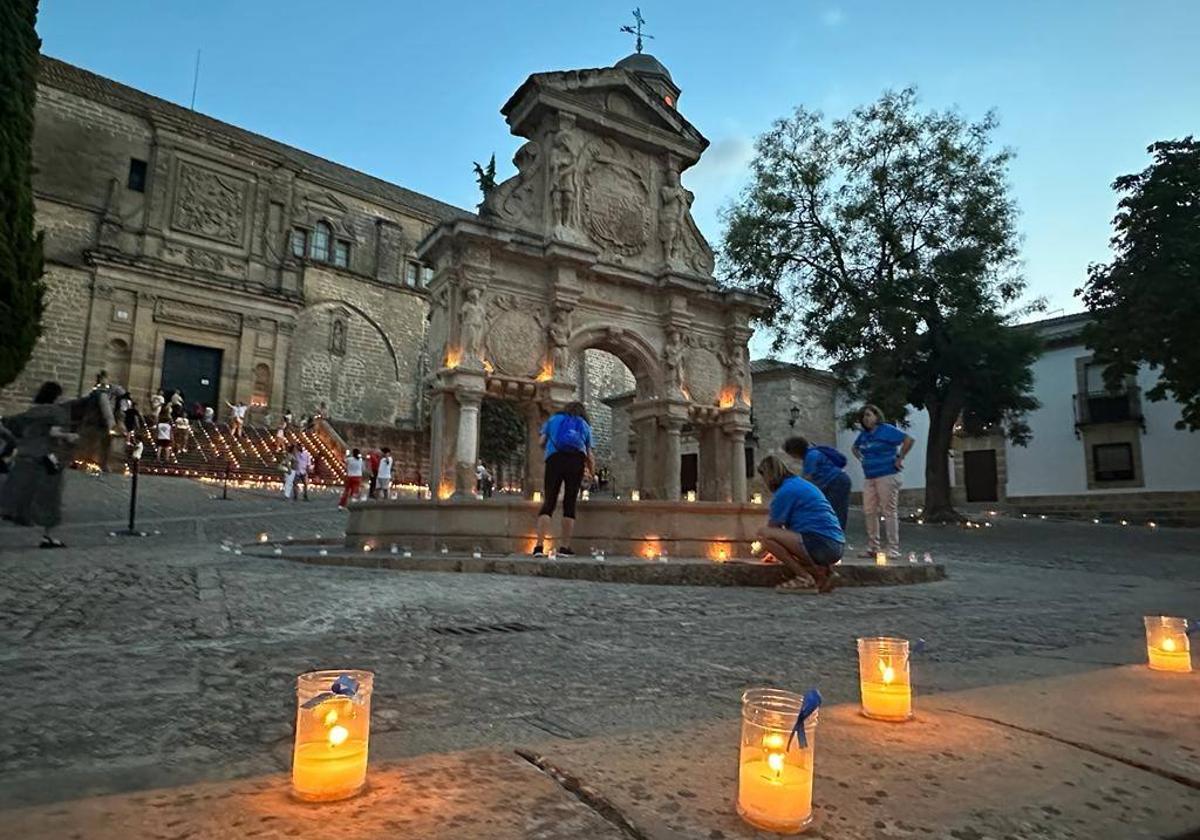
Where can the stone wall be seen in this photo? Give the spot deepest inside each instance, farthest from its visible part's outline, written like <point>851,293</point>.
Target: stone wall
<point>598,376</point>
<point>778,387</point>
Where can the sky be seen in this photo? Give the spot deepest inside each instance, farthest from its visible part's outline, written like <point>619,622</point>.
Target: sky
<point>411,92</point>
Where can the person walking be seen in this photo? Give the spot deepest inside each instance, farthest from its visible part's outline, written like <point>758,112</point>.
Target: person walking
<point>881,448</point>
<point>237,419</point>
<point>209,415</point>
<point>802,531</point>
<point>288,465</point>
<point>183,431</point>
<point>157,401</point>
<point>484,480</point>
<point>824,467</point>
<point>383,475</point>
<point>32,494</point>
<point>162,436</point>
<point>354,475</point>
<point>303,465</point>
<point>373,459</point>
<point>567,439</point>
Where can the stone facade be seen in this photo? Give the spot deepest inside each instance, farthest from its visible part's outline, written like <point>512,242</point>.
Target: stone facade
<point>163,225</point>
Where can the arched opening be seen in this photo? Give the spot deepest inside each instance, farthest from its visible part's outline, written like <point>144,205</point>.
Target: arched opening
<point>261,395</point>
<point>605,384</point>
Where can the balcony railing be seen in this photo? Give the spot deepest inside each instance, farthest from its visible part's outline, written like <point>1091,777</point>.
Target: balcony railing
<point>1096,407</point>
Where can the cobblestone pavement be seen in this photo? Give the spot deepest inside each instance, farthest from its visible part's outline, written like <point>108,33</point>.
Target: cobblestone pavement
<point>134,663</point>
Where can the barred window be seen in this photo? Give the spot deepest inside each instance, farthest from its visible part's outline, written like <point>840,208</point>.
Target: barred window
<point>341,253</point>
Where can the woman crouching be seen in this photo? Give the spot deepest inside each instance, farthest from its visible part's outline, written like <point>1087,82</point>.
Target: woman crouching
<point>803,532</point>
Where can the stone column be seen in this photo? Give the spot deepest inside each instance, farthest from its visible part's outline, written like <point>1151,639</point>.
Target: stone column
<point>713,477</point>
<point>466,450</point>
<point>671,460</point>
<point>737,464</point>
<point>534,455</point>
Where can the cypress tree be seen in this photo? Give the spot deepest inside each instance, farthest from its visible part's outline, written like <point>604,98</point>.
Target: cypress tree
<point>21,287</point>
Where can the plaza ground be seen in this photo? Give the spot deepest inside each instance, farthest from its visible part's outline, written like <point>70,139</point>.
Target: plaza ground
<point>148,663</point>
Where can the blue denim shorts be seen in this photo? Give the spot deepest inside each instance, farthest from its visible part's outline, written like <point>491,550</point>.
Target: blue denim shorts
<point>822,550</point>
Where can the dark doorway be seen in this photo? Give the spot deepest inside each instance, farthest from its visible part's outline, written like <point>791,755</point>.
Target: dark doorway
<point>979,468</point>
<point>689,472</point>
<point>194,370</point>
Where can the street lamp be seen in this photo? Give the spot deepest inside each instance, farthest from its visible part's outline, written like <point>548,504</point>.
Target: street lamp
<point>795,415</point>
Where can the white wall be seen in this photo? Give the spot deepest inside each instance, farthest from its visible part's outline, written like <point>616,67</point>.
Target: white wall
<point>913,474</point>
<point>1053,462</point>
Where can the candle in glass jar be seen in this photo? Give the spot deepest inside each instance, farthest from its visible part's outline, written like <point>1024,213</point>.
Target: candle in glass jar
<point>880,558</point>
<point>329,761</point>
<point>635,495</point>
<point>1167,644</point>
<point>884,679</point>
<point>775,767</point>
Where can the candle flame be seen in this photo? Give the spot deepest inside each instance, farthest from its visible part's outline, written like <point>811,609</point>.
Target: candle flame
<point>338,736</point>
<point>453,357</point>
<point>1168,645</point>
<point>775,762</point>
<point>888,672</point>
<point>635,495</point>
<point>755,547</point>
<point>331,717</point>
<point>546,373</point>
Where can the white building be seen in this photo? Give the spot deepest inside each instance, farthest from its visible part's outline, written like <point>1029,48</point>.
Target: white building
<point>1094,453</point>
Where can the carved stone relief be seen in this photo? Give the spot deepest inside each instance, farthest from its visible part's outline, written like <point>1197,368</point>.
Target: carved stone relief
<point>616,199</point>
<point>337,336</point>
<point>559,335</point>
<point>703,375</point>
<point>564,178</point>
<point>673,363</point>
<point>472,317</point>
<point>518,199</point>
<point>210,204</point>
<point>675,202</point>
<point>194,315</point>
<point>514,337</point>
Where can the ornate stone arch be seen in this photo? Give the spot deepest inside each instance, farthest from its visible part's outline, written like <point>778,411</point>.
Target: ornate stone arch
<point>633,349</point>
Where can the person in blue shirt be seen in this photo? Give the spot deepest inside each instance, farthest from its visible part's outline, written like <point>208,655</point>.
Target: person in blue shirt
<point>881,448</point>
<point>567,439</point>
<point>802,531</point>
<point>822,465</point>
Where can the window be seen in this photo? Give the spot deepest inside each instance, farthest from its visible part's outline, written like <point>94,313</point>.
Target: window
<point>411,274</point>
<point>426,276</point>
<point>299,243</point>
<point>341,254</point>
<point>137,175</point>
<point>320,242</point>
<point>1113,462</point>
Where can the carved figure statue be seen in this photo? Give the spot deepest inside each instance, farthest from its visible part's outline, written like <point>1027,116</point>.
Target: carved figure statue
<point>736,371</point>
<point>673,361</point>
<point>486,178</point>
<point>337,337</point>
<point>676,201</point>
<point>560,335</point>
<point>472,317</point>
<point>564,174</point>
<point>517,191</point>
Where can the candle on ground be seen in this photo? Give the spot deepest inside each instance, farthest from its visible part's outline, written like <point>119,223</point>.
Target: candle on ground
<point>1167,644</point>
<point>884,679</point>
<point>332,730</point>
<point>775,767</point>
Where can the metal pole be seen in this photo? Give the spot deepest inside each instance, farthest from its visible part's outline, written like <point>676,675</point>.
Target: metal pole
<point>133,494</point>
<point>225,483</point>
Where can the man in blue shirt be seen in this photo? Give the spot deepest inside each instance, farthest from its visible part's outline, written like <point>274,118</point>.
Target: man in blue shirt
<point>823,466</point>
<point>881,448</point>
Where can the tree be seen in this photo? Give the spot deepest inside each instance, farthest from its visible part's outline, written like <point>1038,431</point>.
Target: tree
<point>21,288</point>
<point>886,244</point>
<point>502,433</point>
<point>1146,302</point>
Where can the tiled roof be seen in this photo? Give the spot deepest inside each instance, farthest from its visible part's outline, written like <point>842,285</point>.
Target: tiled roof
<point>68,77</point>
<point>775,365</point>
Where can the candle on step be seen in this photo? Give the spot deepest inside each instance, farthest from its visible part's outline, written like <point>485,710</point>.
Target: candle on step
<point>775,770</point>
<point>880,558</point>
<point>635,495</point>
<point>1167,645</point>
<point>884,678</point>
<point>333,721</point>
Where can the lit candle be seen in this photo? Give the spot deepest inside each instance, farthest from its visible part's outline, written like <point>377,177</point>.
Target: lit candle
<point>635,495</point>
<point>884,679</point>
<point>585,495</point>
<point>333,721</point>
<point>691,495</point>
<point>537,495</point>
<point>775,768</point>
<point>1167,645</point>
<point>880,558</point>
<point>756,498</point>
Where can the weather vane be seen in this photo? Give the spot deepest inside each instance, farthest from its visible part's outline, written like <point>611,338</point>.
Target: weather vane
<point>637,16</point>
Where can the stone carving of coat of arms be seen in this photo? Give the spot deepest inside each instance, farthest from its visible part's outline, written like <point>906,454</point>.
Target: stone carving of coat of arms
<point>616,200</point>
<point>209,204</point>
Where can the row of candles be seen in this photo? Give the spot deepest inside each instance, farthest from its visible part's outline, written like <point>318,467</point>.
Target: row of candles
<point>776,747</point>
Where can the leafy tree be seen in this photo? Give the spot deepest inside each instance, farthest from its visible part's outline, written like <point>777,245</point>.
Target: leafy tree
<point>501,432</point>
<point>1146,302</point>
<point>21,288</point>
<point>886,244</point>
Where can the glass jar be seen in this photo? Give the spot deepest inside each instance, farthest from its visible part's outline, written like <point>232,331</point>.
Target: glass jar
<point>775,770</point>
<point>884,679</point>
<point>1167,647</point>
<point>333,727</point>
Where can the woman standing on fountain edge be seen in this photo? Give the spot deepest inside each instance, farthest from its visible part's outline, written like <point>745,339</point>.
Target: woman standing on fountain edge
<point>881,448</point>
<point>567,439</point>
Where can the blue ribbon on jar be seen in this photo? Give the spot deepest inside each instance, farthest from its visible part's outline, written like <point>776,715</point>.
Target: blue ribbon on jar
<point>810,703</point>
<point>344,686</point>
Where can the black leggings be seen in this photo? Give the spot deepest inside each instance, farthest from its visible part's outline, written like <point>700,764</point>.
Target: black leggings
<point>563,468</point>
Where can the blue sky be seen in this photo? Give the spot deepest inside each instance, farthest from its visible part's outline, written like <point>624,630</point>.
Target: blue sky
<point>411,92</point>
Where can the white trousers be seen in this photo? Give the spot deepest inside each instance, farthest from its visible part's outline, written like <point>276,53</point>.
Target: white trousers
<point>288,481</point>
<point>881,497</point>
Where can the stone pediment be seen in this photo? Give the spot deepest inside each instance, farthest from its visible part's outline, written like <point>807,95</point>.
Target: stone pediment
<point>612,101</point>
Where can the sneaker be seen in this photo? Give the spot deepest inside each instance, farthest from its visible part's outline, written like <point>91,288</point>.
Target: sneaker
<point>538,551</point>
<point>566,552</point>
